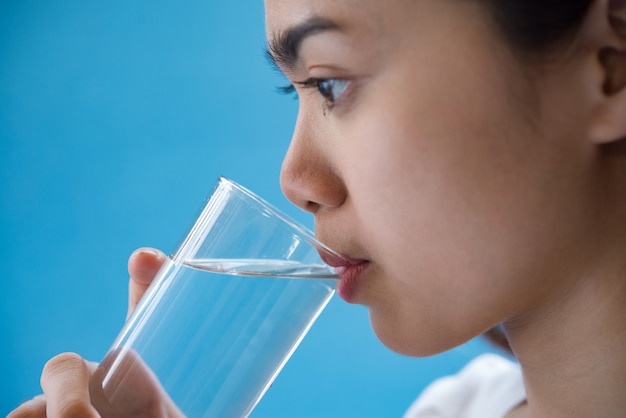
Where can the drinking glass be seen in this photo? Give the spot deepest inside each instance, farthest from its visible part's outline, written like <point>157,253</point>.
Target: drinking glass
<point>222,316</point>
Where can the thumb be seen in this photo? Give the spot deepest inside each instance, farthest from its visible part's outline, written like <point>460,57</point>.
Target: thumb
<point>65,383</point>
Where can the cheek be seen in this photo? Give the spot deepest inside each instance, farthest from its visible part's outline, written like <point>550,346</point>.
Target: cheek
<point>435,165</point>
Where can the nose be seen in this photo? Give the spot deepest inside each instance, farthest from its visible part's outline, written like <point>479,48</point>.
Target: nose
<point>308,177</point>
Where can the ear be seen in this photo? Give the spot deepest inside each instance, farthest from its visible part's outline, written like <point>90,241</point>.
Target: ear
<point>607,20</point>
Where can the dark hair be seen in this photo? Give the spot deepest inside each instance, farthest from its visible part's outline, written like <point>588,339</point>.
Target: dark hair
<point>535,27</point>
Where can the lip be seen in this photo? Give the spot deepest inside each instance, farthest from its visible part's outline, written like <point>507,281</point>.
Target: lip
<point>350,270</point>
<point>350,278</point>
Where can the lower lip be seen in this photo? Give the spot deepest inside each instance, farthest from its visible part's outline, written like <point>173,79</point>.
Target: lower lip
<point>350,278</point>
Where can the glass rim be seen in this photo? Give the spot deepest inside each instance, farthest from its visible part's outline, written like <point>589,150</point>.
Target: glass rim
<point>273,210</point>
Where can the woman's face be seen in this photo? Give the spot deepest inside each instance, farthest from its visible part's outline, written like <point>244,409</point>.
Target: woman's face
<point>423,149</point>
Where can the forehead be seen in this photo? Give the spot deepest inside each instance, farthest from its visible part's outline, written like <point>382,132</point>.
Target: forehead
<point>283,14</point>
<point>390,20</point>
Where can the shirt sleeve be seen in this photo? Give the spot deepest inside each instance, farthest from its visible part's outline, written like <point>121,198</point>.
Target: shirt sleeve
<point>487,387</point>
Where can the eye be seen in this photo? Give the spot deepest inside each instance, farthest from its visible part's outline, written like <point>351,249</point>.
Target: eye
<point>331,89</point>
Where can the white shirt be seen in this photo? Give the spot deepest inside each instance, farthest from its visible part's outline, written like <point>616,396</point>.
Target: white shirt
<point>488,387</point>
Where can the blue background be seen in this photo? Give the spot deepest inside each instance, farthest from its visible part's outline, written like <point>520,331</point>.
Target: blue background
<point>116,117</point>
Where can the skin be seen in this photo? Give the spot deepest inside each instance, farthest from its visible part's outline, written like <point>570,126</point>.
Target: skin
<point>480,187</point>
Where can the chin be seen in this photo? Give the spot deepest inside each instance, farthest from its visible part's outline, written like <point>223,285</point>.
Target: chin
<point>411,342</point>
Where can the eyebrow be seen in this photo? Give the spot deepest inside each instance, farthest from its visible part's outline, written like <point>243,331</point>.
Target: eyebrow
<point>284,49</point>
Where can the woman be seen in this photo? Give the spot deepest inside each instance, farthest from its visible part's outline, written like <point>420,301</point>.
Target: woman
<point>469,155</point>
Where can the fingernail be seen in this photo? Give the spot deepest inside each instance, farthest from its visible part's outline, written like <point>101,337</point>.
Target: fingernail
<point>150,252</point>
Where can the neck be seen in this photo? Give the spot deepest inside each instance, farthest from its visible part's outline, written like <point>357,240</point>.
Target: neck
<point>572,350</point>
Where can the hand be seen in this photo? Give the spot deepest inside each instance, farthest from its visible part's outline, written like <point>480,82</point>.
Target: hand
<point>65,378</point>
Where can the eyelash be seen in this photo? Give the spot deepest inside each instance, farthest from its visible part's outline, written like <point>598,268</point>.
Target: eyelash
<point>324,87</point>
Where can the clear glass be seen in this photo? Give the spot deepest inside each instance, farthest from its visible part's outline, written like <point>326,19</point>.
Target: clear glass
<point>221,318</point>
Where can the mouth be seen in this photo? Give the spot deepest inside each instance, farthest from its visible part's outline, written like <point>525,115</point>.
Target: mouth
<point>350,270</point>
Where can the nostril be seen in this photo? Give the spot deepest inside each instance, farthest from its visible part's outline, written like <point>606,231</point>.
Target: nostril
<point>312,207</point>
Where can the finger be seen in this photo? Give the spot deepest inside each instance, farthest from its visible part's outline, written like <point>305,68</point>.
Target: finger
<point>65,382</point>
<point>143,265</point>
<point>34,408</point>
